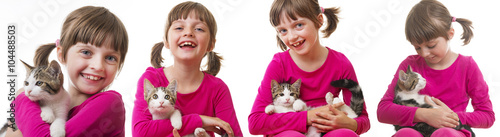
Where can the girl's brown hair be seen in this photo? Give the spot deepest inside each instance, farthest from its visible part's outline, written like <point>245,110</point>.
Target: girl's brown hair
<point>304,8</point>
<point>182,11</point>
<point>92,25</point>
<point>430,19</point>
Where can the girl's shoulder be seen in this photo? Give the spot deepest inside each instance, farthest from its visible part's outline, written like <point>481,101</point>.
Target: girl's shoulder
<point>106,96</point>
<point>213,80</point>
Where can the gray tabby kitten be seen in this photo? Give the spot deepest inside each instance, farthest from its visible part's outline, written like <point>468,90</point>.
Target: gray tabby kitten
<point>44,85</point>
<point>407,94</point>
<point>161,105</point>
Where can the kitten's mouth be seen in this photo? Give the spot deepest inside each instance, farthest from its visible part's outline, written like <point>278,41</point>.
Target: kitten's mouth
<point>188,45</point>
<point>91,77</point>
<point>298,43</point>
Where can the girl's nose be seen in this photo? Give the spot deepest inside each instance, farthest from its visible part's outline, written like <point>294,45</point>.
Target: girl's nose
<point>97,64</point>
<point>425,52</point>
<point>188,33</point>
<point>292,37</point>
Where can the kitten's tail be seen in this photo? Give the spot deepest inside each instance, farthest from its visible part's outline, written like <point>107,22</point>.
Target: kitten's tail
<point>357,99</point>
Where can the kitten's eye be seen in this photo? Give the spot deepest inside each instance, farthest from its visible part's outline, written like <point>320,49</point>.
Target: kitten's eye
<point>167,97</point>
<point>155,96</point>
<point>26,83</point>
<point>281,94</point>
<point>38,83</point>
<point>292,94</point>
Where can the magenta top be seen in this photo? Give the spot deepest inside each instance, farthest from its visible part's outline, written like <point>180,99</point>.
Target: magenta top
<point>455,86</point>
<point>103,114</point>
<point>212,99</point>
<point>314,87</point>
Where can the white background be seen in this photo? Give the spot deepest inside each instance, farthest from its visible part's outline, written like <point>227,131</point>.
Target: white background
<point>370,33</point>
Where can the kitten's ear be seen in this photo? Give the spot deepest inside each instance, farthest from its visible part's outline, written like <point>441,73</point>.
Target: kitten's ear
<point>402,76</point>
<point>296,84</point>
<point>274,85</point>
<point>28,67</point>
<point>148,88</point>
<point>172,87</point>
<point>409,69</point>
<point>54,69</point>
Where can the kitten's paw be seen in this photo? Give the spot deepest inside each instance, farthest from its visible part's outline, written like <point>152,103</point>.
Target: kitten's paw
<point>200,132</point>
<point>329,98</point>
<point>47,116</point>
<point>336,100</point>
<point>176,123</point>
<point>299,105</point>
<point>57,129</point>
<point>269,109</point>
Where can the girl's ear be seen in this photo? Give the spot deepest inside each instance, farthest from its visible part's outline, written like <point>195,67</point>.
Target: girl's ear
<point>451,33</point>
<point>60,55</point>
<point>212,46</point>
<point>165,43</point>
<point>320,18</point>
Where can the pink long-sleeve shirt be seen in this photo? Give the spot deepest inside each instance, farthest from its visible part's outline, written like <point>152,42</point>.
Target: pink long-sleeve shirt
<point>103,114</point>
<point>212,99</point>
<point>313,89</point>
<point>455,86</point>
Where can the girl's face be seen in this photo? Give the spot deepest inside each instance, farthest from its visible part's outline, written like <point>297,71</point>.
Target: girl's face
<point>91,68</point>
<point>299,35</point>
<point>434,51</point>
<point>188,39</point>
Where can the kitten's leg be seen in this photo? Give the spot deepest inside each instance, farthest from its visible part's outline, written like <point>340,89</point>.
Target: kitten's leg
<point>329,98</point>
<point>57,128</point>
<point>200,132</point>
<point>312,132</point>
<point>299,105</point>
<point>269,109</point>
<point>176,119</point>
<point>47,114</point>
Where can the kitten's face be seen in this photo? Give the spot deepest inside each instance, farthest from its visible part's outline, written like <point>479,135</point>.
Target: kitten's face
<point>411,81</point>
<point>285,94</point>
<point>42,82</point>
<point>161,100</point>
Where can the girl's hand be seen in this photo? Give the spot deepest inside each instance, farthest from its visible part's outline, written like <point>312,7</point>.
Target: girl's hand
<point>439,116</point>
<point>311,114</point>
<point>335,119</point>
<point>211,124</point>
<point>175,133</point>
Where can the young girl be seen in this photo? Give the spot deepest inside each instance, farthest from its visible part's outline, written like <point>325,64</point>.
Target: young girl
<point>297,23</point>
<point>452,79</point>
<point>93,46</point>
<point>203,99</point>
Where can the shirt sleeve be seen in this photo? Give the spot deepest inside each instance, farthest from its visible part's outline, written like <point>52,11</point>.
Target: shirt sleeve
<point>391,113</point>
<point>362,120</point>
<point>261,123</point>
<point>224,109</point>
<point>95,119</point>
<point>477,89</point>
<point>142,120</point>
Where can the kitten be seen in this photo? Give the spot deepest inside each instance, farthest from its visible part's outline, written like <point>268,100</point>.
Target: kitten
<point>161,105</point>
<point>44,85</point>
<point>357,99</point>
<point>286,98</point>
<point>407,93</point>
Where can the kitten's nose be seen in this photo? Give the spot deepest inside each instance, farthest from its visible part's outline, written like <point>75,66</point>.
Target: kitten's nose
<point>287,99</point>
<point>161,103</point>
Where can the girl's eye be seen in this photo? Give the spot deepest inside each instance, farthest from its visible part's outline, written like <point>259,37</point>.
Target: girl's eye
<point>281,94</point>
<point>155,96</point>
<point>167,97</point>
<point>417,48</point>
<point>299,25</point>
<point>433,46</point>
<point>26,83</point>
<point>86,52</point>
<point>38,83</point>
<point>178,28</point>
<point>199,29</point>
<point>111,59</point>
<point>282,31</point>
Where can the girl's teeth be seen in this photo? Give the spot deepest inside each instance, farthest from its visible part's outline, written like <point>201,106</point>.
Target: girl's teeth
<point>92,77</point>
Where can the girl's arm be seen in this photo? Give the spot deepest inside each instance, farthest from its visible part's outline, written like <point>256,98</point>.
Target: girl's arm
<point>477,89</point>
<point>391,113</point>
<point>261,123</point>
<point>224,109</point>
<point>142,123</point>
<point>104,115</point>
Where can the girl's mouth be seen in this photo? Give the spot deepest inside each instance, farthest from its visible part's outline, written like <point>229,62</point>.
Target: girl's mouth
<point>188,45</point>
<point>91,77</point>
<point>296,44</point>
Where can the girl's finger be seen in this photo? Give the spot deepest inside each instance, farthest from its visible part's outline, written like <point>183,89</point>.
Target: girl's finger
<point>227,128</point>
<point>428,100</point>
<point>322,127</point>
<point>214,129</point>
<point>323,122</point>
<point>324,115</point>
<point>334,109</point>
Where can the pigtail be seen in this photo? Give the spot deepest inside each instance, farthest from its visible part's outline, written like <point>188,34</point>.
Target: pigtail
<point>467,27</point>
<point>156,58</point>
<point>42,54</point>
<point>332,21</point>
<point>213,63</point>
